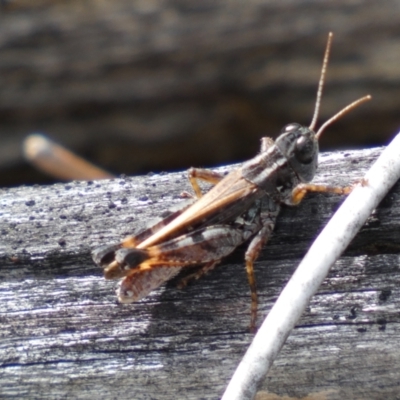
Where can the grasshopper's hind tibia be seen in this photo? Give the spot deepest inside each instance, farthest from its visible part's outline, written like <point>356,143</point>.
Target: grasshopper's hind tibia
<point>252,253</point>
<point>205,269</point>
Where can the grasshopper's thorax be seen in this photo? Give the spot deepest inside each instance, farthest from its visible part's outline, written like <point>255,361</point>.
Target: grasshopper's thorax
<point>292,159</point>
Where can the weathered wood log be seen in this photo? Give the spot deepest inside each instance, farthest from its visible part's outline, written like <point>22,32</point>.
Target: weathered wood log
<point>64,335</point>
<point>132,84</point>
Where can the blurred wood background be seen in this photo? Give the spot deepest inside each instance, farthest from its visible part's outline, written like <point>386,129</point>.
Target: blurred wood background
<point>151,85</point>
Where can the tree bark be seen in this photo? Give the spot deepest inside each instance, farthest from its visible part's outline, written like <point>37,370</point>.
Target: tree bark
<point>64,334</point>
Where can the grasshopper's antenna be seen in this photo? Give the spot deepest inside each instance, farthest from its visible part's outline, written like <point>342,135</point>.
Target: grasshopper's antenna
<point>321,81</point>
<point>319,95</point>
<point>343,111</point>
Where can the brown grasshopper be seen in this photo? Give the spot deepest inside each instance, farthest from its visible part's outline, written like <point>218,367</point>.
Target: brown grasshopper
<point>242,205</point>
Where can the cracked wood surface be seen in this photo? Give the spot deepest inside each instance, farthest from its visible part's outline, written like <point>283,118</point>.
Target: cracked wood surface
<point>64,335</point>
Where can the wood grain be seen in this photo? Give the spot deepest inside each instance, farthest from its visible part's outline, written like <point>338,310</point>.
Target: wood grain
<point>64,335</point>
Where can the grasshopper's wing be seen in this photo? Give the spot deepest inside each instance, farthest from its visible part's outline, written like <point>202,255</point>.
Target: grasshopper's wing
<point>104,255</point>
<point>225,201</point>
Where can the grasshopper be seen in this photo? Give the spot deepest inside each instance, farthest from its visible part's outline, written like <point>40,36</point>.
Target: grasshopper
<point>241,206</point>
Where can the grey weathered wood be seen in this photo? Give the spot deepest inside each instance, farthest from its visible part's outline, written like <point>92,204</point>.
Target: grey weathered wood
<point>64,335</point>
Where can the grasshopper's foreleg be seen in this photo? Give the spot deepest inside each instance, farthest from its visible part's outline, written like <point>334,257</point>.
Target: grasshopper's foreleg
<point>266,143</point>
<point>206,175</point>
<point>303,188</point>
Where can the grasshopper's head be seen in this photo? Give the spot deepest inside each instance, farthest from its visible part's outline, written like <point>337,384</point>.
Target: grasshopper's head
<point>299,146</point>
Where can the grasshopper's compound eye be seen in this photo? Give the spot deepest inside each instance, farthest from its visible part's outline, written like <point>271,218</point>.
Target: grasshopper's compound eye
<point>291,127</point>
<point>305,149</point>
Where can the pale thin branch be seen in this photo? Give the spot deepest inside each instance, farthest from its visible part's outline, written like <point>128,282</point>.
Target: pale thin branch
<point>59,162</point>
<point>311,272</point>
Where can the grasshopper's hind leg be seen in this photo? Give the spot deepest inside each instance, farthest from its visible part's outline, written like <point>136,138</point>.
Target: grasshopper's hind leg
<point>139,283</point>
<point>252,253</point>
<point>205,246</point>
